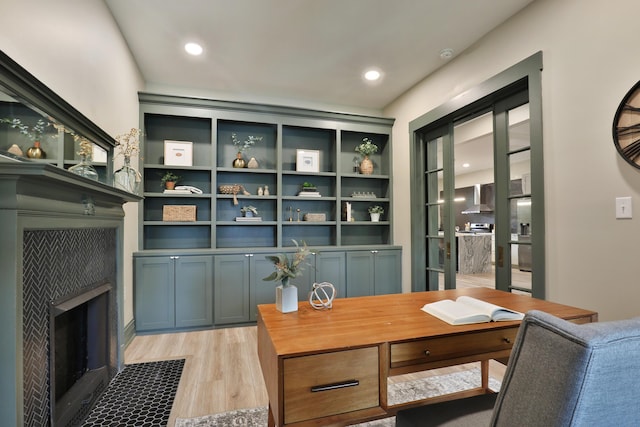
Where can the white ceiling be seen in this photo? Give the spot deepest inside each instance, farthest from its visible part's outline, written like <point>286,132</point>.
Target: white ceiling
<point>307,51</point>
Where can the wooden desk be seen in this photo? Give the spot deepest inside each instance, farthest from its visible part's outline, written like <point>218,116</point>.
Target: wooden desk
<point>330,367</point>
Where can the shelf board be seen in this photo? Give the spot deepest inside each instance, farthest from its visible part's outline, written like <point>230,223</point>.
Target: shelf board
<point>304,223</point>
<point>170,223</point>
<point>190,196</point>
<point>355,223</point>
<point>186,168</point>
<point>298,198</point>
<point>309,173</point>
<point>365,199</point>
<point>250,197</point>
<point>360,175</point>
<point>249,223</point>
<point>245,170</point>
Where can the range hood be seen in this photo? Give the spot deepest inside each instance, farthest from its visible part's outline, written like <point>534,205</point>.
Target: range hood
<point>477,206</point>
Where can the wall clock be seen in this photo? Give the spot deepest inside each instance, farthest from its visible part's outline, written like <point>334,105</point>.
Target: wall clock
<point>626,127</point>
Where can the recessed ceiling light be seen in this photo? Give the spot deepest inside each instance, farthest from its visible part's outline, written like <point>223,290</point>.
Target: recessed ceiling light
<point>193,49</point>
<point>446,53</point>
<point>372,75</point>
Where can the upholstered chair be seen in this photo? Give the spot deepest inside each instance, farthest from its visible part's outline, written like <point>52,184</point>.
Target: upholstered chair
<point>559,374</point>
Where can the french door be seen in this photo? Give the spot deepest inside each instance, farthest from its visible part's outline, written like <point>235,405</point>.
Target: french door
<point>478,218</point>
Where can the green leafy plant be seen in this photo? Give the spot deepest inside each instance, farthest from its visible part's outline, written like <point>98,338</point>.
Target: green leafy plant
<point>288,268</point>
<point>249,208</point>
<point>169,177</point>
<point>34,133</point>
<point>376,209</point>
<point>308,185</point>
<point>367,147</point>
<point>243,146</point>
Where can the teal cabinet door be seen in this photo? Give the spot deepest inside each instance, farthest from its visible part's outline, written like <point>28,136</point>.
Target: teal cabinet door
<point>262,292</point>
<point>194,291</point>
<point>387,272</point>
<point>153,294</point>
<point>331,267</point>
<point>374,272</point>
<point>360,273</point>
<point>231,288</point>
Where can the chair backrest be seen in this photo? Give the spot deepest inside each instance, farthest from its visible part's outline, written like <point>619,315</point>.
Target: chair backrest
<point>563,374</point>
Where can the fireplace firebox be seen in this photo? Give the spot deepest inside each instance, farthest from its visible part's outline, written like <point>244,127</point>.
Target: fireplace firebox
<point>79,359</point>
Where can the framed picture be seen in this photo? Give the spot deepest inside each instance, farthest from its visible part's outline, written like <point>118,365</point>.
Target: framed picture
<point>308,160</point>
<point>178,153</point>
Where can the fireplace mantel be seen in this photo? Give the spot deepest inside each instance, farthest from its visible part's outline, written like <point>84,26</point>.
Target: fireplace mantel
<point>38,196</point>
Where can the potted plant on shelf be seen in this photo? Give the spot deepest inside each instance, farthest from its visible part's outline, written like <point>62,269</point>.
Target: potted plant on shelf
<point>169,180</point>
<point>288,268</point>
<point>375,212</point>
<point>243,146</point>
<point>249,211</point>
<point>367,148</point>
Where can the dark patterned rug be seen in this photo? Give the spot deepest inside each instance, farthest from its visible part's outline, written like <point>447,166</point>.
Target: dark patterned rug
<point>398,393</point>
<point>141,395</point>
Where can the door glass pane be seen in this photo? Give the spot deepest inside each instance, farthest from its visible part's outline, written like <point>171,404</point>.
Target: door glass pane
<point>433,209</point>
<point>520,202</point>
<point>474,201</point>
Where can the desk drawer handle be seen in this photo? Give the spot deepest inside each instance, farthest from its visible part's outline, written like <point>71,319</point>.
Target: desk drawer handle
<point>334,386</point>
<point>427,353</point>
<point>507,340</point>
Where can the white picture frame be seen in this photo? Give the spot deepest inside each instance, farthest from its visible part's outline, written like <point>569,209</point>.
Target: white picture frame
<point>307,160</point>
<point>178,153</point>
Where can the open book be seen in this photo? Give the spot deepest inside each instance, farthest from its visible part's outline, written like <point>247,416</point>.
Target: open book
<point>465,310</point>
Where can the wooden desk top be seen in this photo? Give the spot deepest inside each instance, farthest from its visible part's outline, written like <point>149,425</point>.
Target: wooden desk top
<point>362,321</point>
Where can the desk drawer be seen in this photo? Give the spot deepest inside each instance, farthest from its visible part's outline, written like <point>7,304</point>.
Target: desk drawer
<point>451,347</point>
<point>330,383</point>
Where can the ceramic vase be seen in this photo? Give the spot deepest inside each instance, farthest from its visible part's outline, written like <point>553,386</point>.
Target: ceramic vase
<point>286,297</point>
<point>36,152</point>
<point>253,163</point>
<point>366,166</point>
<point>127,178</point>
<point>239,161</point>
<point>85,168</point>
<point>375,217</point>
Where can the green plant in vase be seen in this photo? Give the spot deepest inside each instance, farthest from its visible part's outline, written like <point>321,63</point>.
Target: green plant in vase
<point>35,133</point>
<point>169,180</point>
<point>375,212</point>
<point>366,148</point>
<point>243,146</point>
<point>249,211</point>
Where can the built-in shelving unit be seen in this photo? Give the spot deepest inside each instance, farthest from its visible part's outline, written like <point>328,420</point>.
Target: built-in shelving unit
<point>210,126</point>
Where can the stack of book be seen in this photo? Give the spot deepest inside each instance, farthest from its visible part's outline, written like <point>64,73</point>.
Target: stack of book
<point>248,218</point>
<point>177,191</point>
<point>309,192</point>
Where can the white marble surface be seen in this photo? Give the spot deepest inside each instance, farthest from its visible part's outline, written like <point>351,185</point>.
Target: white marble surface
<point>474,253</point>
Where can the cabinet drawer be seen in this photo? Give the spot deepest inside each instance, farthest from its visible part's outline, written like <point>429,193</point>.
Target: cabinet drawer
<point>330,383</point>
<point>435,349</point>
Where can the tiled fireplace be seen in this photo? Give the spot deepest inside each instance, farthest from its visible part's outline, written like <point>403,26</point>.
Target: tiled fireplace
<point>61,287</point>
<point>62,269</point>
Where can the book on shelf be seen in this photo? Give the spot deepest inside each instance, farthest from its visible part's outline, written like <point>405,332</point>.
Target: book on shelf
<point>466,310</point>
<point>248,218</point>
<point>177,192</point>
<point>346,211</point>
<point>309,194</point>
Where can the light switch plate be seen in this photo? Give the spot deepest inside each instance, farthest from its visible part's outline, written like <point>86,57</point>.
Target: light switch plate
<point>623,207</point>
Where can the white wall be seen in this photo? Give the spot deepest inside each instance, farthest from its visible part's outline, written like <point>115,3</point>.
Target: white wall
<point>76,49</point>
<point>590,58</point>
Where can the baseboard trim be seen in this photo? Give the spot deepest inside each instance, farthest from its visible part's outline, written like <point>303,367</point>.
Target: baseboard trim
<point>129,333</point>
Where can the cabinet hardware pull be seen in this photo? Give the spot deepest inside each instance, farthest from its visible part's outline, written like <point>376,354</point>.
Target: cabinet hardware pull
<point>427,353</point>
<point>448,250</point>
<point>500,256</point>
<point>334,386</point>
<point>507,340</point>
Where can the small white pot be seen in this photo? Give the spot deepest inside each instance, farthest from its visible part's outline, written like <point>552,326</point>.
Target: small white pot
<point>375,217</point>
<point>287,298</point>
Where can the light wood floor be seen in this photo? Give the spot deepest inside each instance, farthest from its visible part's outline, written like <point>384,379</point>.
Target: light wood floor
<point>222,371</point>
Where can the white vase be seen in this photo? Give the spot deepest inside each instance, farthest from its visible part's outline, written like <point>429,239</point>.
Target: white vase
<point>375,217</point>
<point>286,298</point>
